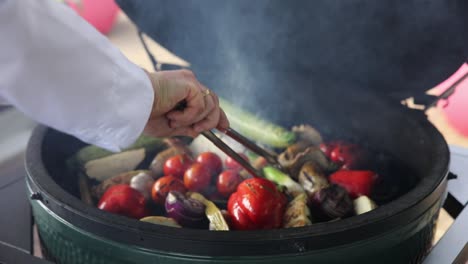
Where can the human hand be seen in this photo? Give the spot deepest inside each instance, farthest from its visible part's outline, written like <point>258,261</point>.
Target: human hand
<point>202,111</point>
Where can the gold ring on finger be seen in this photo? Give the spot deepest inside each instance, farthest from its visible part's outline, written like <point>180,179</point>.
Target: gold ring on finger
<point>206,92</point>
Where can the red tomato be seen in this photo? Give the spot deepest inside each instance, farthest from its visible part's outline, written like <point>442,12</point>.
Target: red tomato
<point>197,178</point>
<point>327,148</point>
<point>349,156</point>
<point>212,161</point>
<point>227,182</point>
<point>239,218</point>
<point>163,186</point>
<point>177,165</point>
<point>232,164</point>
<point>124,200</point>
<point>257,204</point>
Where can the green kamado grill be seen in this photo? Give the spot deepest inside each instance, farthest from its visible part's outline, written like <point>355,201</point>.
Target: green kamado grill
<point>342,67</point>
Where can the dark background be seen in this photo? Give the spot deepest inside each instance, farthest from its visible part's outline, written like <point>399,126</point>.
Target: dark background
<point>275,56</point>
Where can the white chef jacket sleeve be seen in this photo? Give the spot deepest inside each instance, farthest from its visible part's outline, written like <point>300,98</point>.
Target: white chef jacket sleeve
<point>60,71</point>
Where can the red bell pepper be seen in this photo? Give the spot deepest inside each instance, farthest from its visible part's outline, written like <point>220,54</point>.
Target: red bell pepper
<point>257,204</point>
<point>357,183</point>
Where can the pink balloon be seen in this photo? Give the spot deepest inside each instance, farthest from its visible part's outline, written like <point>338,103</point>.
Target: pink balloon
<point>456,107</point>
<point>99,13</point>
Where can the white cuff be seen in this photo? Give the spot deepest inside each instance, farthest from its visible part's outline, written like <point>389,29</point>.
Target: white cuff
<point>132,102</point>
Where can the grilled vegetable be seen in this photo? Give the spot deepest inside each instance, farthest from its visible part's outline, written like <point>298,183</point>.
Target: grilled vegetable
<point>197,178</point>
<point>227,182</point>
<point>123,178</point>
<point>85,191</point>
<point>124,200</point>
<point>163,186</point>
<point>143,183</point>
<point>177,165</point>
<point>259,163</point>
<point>346,155</point>
<point>176,147</point>
<point>212,161</point>
<point>186,211</point>
<point>202,144</point>
<point>104,168</point>
<point>308,134</point>
<point>244,174</point>
<point>227,218</point>
<point>363,205</point>
<point>312,179</point>
<point>331,202</point>
<point>214,215</point>
<point>292,187</point>
<point>89,153</point>
<point>297,213</point>
<point>327,148</point>
<point>257,129</point>
<point>230,163</point>
<point>292,151</point>
<point>257,204</point>
<point>355,182</point>
<point>160,220</point>
<point>292,160</point>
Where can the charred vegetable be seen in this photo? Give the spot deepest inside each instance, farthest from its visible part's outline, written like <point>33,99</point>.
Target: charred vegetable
<point>312,179</point>
<point>160,220</point>
<point>89,153</point>
<point>214,215</point>
<point>320,179</point>
<point>355,182</point>
<point>292,160</point>
<point>273,174</point>
<point>257,129</point>
<point>230,163</point>
<point>290,155</point>
<point>123,178</point>
<point>211,161</point>
<point>308,134</point>
<point>177,165</point>
<point>297,213</point>
<point>257,204</point>
<point>197,178</point>
<point>104,168</point>
<point>163,186</point>
<point>186,211</point>
<point>85,191</point>
<point>346,155</point>
<point>331,202</point>
<point>200,145</point>
<point>124,200</point>
<point>142,182</point>
<point>363,205</point>
<point>176,147</point>
<point>227,182</point>
<point>260,163</point>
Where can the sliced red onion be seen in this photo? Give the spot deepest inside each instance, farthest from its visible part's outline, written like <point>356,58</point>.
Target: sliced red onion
<point>187,212</point>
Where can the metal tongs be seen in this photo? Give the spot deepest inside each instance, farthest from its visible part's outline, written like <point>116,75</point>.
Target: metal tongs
<point>271,157</point>
<point>268,155</point>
